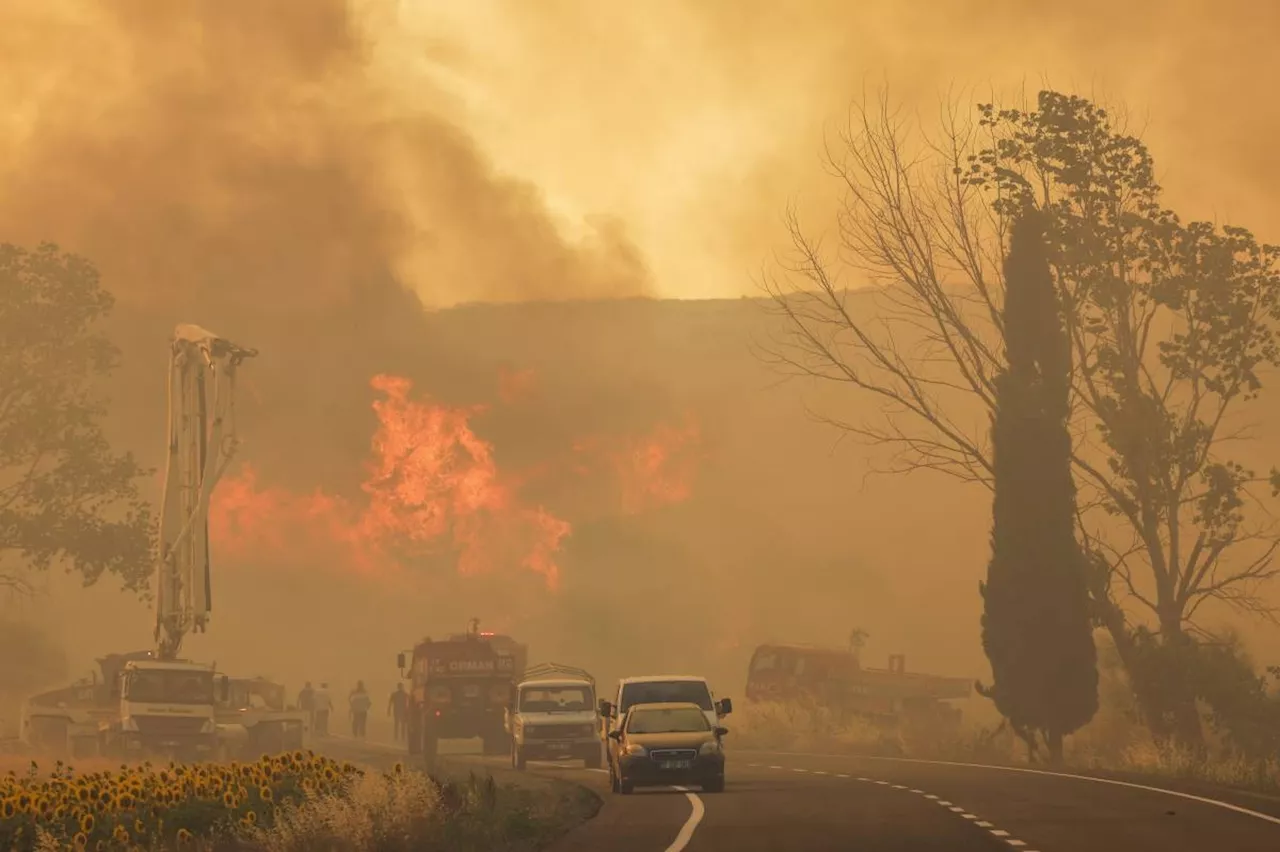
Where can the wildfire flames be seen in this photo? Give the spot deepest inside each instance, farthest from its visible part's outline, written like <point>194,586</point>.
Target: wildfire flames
<point>652,470</point>
<point>433,487</point>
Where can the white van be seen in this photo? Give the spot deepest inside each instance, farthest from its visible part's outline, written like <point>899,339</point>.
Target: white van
<point>659,689</point>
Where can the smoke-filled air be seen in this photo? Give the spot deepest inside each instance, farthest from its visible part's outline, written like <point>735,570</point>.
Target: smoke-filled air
<point>930,346</point>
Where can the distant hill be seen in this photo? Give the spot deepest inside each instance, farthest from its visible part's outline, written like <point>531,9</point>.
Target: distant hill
<point>781,536</point>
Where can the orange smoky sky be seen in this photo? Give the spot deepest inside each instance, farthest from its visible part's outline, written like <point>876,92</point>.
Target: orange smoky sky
<point>497,149</point>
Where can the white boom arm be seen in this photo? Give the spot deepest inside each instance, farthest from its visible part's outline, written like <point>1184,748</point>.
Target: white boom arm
<point>202,440</point>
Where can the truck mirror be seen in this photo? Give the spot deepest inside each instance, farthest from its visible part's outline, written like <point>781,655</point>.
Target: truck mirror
<point>615,735</point>
<point>400,661</point>
<point>720,732</point>
<point>726,706</point>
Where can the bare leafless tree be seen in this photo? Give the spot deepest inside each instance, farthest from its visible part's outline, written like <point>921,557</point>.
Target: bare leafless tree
<point>1169,322</point>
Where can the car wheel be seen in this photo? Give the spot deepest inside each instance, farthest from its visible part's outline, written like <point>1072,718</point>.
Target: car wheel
<point>625,787</point>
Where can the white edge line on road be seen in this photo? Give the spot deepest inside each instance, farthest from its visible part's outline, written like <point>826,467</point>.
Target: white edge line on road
<point>1217,803</point>
<point>695,817</point>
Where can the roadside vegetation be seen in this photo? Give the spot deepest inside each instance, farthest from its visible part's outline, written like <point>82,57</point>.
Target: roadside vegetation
<point>1115,741</point>
<point>283,803</point>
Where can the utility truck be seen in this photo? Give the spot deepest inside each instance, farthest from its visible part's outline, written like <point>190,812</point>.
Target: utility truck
<point>153,702</point>
<point>552,716</point>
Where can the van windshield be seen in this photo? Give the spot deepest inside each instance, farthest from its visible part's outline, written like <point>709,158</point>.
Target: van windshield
<point>666,692</point>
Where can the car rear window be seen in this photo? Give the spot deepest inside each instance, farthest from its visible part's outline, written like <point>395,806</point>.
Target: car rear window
<point>666,691</point>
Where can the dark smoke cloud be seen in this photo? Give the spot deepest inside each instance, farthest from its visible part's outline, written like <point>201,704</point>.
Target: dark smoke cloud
<point>241,156</point>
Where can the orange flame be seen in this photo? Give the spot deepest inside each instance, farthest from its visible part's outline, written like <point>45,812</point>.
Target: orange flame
<point>516,385</point>
<point>432,484</point>
<point>652,470</point>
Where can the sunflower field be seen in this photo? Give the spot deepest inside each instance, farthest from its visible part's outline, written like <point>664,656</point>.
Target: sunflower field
<point>143,807</point>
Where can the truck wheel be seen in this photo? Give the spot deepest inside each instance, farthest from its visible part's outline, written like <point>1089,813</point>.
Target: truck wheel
<point>517,757</point>
<point>592,760</point>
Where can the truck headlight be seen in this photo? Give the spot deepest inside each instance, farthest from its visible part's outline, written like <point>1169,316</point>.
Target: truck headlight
<point>635,750</point>
<point>710,747</point>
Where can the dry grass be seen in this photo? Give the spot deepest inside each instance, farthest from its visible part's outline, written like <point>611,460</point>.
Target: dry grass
<point>1111,743</point>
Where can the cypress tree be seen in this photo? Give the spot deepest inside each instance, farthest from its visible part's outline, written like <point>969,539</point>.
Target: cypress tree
<point>1036,623</point>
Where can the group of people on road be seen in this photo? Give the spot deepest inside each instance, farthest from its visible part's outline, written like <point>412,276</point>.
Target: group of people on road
<point>318,704</point>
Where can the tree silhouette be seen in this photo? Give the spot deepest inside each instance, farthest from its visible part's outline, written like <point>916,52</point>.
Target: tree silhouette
<point>65,496</point>
<point>1172,326</point>
<point>1036,627</point>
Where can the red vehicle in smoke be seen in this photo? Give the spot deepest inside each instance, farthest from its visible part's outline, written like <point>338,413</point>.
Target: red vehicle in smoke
<point>836,680</point>
<point>460,689</point>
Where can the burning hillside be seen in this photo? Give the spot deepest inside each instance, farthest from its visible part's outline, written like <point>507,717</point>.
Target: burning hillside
<point>433,488</point>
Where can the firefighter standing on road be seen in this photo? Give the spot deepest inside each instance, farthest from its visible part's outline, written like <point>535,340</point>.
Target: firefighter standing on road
<point>359,702</point>
<point>307,704</point>
<point>398,710</point>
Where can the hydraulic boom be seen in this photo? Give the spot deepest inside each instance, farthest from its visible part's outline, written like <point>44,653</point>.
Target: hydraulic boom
<point>202,441</point>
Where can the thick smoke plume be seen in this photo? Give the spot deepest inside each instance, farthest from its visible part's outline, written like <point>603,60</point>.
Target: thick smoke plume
<point>237,155</point>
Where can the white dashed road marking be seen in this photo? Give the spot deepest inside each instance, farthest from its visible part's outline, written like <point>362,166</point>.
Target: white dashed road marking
<point>955,809</point>
<point>1091,779</point>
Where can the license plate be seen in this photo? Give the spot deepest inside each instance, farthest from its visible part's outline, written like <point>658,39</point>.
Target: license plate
<point>676,764</point>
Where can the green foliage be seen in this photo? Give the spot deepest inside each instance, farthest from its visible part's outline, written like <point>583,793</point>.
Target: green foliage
<point>65,496</point>
<point>1170,324</point>
<point>1036,626</point>
<point>1242,709</point>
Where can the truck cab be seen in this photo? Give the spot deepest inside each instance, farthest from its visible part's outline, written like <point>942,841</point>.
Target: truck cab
<point>552,716</point>
<point>165,707</point>
<point>662,689</point>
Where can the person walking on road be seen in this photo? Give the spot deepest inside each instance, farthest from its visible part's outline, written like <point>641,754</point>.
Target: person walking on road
<point>398,710</point>
<point>306,703</point>
<point>322,705</point>
<point>360,702</point>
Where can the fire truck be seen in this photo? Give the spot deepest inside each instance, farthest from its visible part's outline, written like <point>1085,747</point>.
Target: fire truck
<point>460,687</point>
<point>835,679</point>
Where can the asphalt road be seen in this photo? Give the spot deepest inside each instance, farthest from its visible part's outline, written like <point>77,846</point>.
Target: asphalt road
<point>815,803</point>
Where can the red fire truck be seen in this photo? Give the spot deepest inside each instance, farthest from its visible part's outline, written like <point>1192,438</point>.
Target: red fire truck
<point>460,689</point>
<point>835,679</point>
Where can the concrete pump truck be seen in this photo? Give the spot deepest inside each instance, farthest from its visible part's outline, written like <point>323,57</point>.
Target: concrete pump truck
<point>152,702</point>
<point>163,704</point>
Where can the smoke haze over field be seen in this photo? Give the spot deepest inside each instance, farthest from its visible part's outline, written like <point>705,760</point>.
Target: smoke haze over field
<point>301,175</point>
